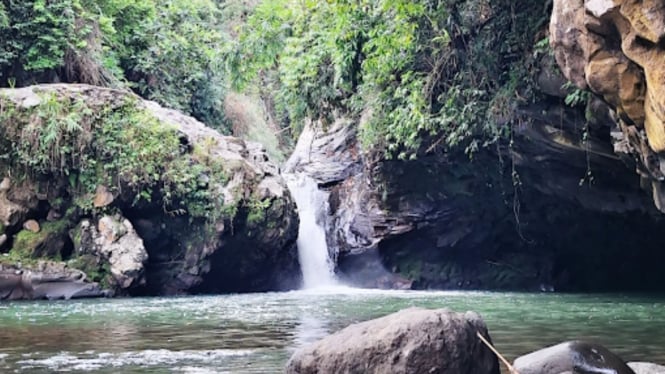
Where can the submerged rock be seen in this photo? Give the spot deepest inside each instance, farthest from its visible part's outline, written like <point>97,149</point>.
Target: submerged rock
<point>414,340</point>
<point>572,357</point>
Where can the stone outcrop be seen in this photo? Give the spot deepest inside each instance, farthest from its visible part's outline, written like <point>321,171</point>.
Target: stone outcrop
<point>113,242</point>
<point>47,280</point>
<point>443,221</point>
<point>410,341</point>
<point>220,219</point>
<point>614,48</point>
<point>572,357</point>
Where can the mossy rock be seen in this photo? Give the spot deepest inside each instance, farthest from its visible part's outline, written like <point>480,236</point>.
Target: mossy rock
<point>47,243</point>
<point>95,269</point>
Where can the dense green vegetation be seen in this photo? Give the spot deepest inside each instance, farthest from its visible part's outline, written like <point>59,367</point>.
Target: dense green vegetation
<point>426,73</point>
<point>430,72</point>
<point>122,147</point>
<point>168,51</point>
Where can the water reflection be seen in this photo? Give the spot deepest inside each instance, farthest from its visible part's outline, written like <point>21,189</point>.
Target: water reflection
<point>308,330</point>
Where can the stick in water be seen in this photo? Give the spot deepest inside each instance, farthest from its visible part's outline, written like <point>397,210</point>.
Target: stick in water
<point>503,359</point>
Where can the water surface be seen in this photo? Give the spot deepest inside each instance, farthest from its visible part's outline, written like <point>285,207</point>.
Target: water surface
<point>256,333</point>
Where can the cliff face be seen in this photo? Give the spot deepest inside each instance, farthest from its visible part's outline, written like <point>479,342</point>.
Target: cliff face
<point>135,197</point>
<point>445,221</point>
<point>558,205</point>
<point>615,49</point>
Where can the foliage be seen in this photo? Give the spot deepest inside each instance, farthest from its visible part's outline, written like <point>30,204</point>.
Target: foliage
<point>168,51</point>
<point>576,96</point>
<point>257,211</point>
<point>430,72</point>
<point>121,146</point>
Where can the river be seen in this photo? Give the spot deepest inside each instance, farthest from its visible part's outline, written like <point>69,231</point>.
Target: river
<point>256,333</point>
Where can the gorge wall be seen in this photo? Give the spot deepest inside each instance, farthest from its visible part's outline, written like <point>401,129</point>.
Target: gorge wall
<point>558,205</point>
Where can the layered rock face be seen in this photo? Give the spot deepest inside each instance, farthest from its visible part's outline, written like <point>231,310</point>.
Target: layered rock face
<point>615,49</point>
<point>444,221</point>
<point>536,212</point>
<point>141,199</point>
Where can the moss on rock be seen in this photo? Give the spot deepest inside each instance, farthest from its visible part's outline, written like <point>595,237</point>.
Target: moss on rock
<point>112,141</point>
<point>48,242</point>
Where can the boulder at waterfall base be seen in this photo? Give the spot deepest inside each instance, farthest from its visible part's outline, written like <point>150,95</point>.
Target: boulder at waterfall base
<point>414,340</point>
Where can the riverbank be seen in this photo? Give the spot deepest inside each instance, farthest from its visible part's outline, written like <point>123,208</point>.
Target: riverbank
<point>256,333</point>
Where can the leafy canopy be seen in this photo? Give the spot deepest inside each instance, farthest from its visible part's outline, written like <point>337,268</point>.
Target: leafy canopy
<point>429,72</point>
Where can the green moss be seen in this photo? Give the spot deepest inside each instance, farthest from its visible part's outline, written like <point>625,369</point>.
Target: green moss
<point>25,244</point>
<point>2,228</point>
<point>257,211</point>
<point>28,244</point>
<point>114,144</point>
<point>94,269</point>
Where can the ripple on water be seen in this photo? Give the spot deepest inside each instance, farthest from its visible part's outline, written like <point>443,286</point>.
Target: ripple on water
<point>67,361</point>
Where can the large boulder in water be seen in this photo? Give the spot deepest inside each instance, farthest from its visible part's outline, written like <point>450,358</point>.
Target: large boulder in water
<point>414,341</point>
<point>211,211</point>
<point>572,357</point>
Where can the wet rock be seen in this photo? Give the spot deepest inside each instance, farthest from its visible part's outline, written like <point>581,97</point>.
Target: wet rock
<point>414,340</point>
<point>646,368</point>
<point>572,357</point>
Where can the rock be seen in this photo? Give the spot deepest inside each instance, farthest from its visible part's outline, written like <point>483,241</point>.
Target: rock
<point>6,184</point>
<point>572,357</point>
<point>414,340</point>
<point>199,237</point>
<point>53,215</point>
<point>3,240</point>
<point>47,242</point>
<point>442,221</point>
<point>49,280</point>
<point>646,368</point>
<point>103,197</point>
<point>115,241</point>
<point>67,290</point>
<point>31,225</point>
<point>614,47</point>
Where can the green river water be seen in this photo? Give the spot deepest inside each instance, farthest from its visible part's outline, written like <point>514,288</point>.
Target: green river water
<point>256,333</point>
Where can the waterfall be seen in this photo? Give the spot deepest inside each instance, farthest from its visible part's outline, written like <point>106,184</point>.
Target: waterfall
<point>315,262</point>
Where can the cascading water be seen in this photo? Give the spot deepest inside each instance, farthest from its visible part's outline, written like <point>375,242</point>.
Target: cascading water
<point>315,262</point>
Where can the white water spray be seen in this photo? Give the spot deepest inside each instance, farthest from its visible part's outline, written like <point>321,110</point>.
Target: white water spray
<point>315,262</point>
